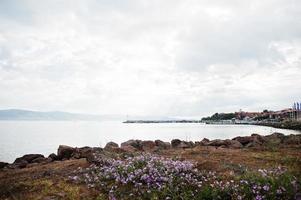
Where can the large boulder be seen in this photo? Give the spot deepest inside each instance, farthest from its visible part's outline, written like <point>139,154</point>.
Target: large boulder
<point>28,158</point>
<point>53,157</point>
<point>20,164</point>
<point>111,145</point>
<point>175,143</point>
<point>233,144</point>
<point>216,143</point>
<point>244,140</point>
<point>3,164</point>
<point>65,152</point>
<point>275,138</point>
<point>204,142</point>
<point>225,143</point>
<point>134,143</point>
<point>85,152</point>
<point>162,145</point>
<point>41,160</point>
<point>128,148</point>
<point>148,145</point>
<point>254,140</point>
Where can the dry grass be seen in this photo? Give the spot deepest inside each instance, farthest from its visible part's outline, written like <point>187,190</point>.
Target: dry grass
<point>50,181</point>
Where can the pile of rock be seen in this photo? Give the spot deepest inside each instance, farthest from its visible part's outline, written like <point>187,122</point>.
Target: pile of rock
<point>90,153</point>
<point>254,141</point>
<point>137,145</point>
<point>27,159</point>
<point>64,153</point>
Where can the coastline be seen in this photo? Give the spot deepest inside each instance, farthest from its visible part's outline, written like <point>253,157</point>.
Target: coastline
<point>68,174</point>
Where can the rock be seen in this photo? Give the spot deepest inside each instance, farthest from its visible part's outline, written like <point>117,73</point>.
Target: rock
<point>28,158</point>
<point>186,144</point>
<point>134,143</point>
<point>204,142</point>
<point>244,140</point>
<point>128,148</point>
<point>258,138</point>
<point>3,164</point>
<point>148,145</point>
<point>216,143</point>
<point>65,152</point>
<point>20,164</point>
<point>275,138</point>
<point>292,140</point>
<point>225,143</point>
<point>85,152</point>
<point>254,140</point>
<point>40,160</point>
<point>175,143</point>
<point>111,145</point>
<point>53,157</point>
<point>233,144</point>
<point>162,145</point>
<point>82,152</point>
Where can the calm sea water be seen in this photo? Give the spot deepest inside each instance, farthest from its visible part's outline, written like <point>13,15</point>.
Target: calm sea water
<point>23,137</point>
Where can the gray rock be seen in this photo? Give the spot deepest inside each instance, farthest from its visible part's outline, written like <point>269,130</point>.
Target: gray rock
<point>148,145</point>
<point>244,140</point>
<point>20,164</point>
<point>65,152</point>
<point>225,143</point>
<point>233,144</point>
<point>53,157</point>
<point>275,138</point>
<point>128,148</point>
<point>28,158</point>
<point>85,152</point>
<point>3,164</point>
<point>162,145</point>
<point>111,145</point>
<point>134,143</point>
<point>40,160</point>
<point>175,143</point>
<point>217,143</point>
<point>204,142</point>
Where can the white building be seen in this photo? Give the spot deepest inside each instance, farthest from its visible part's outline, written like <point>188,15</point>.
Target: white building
<point>296,111</point>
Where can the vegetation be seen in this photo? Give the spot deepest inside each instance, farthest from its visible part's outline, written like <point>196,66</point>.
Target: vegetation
<point>220,116</point>
<point>152,177</point>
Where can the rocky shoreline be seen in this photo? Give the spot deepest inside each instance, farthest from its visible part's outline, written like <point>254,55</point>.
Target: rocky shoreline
<point>255,141</point>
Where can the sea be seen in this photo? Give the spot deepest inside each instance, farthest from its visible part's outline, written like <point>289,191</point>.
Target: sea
<point>25,137</point>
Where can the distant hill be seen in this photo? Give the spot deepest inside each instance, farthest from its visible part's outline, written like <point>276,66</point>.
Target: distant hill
<point>17,114</point>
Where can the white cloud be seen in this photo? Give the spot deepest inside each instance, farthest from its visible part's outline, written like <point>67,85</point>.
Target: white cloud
<point>176,58</point>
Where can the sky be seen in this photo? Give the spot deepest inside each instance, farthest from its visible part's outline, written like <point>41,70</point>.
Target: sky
<point>138,57</point>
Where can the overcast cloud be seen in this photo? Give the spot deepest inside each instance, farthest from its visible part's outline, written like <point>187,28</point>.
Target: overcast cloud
<point>141,57</point>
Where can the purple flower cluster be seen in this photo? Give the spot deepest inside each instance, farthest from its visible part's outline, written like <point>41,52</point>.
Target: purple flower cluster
<point>145,170</point>
<point>146,173</point>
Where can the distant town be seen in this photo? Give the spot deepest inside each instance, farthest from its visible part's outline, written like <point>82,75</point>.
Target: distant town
<point>266,116</point>
<point>280,119</point>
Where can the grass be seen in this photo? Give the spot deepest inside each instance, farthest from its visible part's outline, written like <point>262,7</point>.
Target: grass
<point>38,189</point>
<point>51,181</point>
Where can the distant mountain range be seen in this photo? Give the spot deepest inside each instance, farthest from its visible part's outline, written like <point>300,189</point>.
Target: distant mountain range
<point>19,114</point>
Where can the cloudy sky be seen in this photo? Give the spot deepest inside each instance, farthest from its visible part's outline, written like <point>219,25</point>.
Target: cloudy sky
<point>141,57</point>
